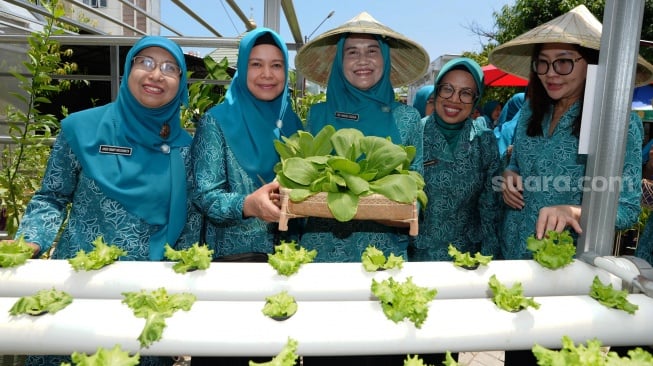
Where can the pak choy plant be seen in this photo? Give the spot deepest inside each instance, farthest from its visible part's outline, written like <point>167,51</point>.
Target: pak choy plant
<point>23,161</point>
<point>347,165</point>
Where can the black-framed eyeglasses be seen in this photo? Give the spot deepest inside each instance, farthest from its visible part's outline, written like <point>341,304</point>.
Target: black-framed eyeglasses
<point>148,64</point>
<point>561,66</point>
<point>465,95</point>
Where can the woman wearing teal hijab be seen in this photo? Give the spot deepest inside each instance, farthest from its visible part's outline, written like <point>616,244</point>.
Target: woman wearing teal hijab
<point>123,168</point>
<point>233,149</point>
<point>360,95</point>
<point>460,160</point>
<point>424,100</point>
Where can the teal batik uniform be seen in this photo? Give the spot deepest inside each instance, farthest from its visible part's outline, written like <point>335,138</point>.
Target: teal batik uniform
<point>137,199</point>
<point>233,152</point>
<point>421,97</point>
<point>375,113</point>
<point>553,173</point>
<point>464,208</point>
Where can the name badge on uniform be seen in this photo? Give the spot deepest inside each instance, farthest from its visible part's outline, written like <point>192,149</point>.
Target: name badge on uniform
<point>349,116</point>
<point>115,150</point>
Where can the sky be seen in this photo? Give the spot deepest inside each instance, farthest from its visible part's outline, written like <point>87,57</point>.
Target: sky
<point>440,26</point>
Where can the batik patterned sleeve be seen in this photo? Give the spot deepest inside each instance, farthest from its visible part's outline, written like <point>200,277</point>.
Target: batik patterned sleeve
<point>491,201</point>
<point>631,189</point>
<point>46,210</point>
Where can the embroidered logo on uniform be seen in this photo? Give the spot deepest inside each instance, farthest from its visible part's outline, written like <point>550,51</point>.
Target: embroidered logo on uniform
<point>349,116</point>
<point>116,150</point>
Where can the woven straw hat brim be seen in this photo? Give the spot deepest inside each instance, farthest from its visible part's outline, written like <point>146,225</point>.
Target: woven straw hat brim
<point>408,59</point>
<point>578,26</point>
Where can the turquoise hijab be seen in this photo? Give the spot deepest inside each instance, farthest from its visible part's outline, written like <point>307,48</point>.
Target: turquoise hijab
<point>421,97</point>
<point>249,125</point>
<point>369,111</point>
<point>461,63</point>
<point>147,176</point>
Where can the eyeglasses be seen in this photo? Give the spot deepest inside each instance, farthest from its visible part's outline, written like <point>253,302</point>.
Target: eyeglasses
<point>465,95</point>
<point>561,66</point>
<point>148,64</point>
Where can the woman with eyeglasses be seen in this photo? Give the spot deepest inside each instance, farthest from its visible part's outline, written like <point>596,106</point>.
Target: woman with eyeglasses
<point>121,171</point>
<point>544,181</point>
<point>460,160</point>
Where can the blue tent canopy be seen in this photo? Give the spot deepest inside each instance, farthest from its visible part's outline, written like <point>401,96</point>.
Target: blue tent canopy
<point>642,97</point>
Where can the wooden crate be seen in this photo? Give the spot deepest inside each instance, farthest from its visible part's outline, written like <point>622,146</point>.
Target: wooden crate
<point>372,207</point>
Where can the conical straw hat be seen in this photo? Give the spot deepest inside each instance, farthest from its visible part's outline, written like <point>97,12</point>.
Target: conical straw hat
<point>578,26</point>
<point>408,59</point>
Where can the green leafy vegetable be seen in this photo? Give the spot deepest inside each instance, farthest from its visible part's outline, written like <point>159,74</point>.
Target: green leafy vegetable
<point>155,307</point>
<point>416,361</point>
<point>44,301</point>
<point>286,357</point>
<point>13,253</point>
<point>280,305</point>
<point>610,297</point>
<point>102,255</point>
<point>554,250</point>
<point>373,259</point>
<point>350,166</point>
<point>403,300</point>
<point>466,260</point>
<point>592,355</point>
<point>102,357</point>
<point>190,259</point>
<point>510,299</point>
<point>288,257</point>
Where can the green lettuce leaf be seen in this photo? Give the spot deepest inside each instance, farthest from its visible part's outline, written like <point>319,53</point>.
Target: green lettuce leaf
<point>461,259</point>
<point>280,305</point>
<point>101,255</point>
<point>554,250</point>
<point>190,259</point>
<point>590,355</point>
<point>510,299</point>
<point>286,357</point>
<point>14,253</point>
<point>102,357</point>
<point>373,260</point>
<point>608,296</point>
<point>44,301</point>
<point>405,300</point>
<point>155,307</point>
<point>288,257</point>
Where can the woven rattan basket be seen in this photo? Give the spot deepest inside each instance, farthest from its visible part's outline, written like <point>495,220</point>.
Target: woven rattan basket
<point>372,207</point>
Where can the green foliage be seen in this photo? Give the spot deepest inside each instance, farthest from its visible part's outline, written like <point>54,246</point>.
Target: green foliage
<point>554,250</point>
<point>301,105</point>
<point>204,95</point>
<point>14,253</point>
<point>466,260</point>
<point>404,300</point>
<point>44,301</point>
<point>286,357</point>
<point>510,299</point>
<point>190,259</point>
<point>590,355</point>
<point>373,260</point>
<point>280,305</point>
<point>608,296</point>
<point>103,357</point>
<point>155,307</point>
<point>360,166</point>
<point>288,257</point>
<point>23,162</point>
<point>102,255</point>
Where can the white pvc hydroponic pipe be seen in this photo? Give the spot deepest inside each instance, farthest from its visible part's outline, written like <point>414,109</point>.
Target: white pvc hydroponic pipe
<point>326,328</point>
<point>314,281</point>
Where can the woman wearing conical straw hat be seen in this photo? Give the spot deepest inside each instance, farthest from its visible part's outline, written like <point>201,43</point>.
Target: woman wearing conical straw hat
<point>543,181</point>
<point>360,62</point>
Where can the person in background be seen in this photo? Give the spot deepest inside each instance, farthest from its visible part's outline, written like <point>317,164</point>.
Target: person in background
<point>505,128</point>
<point>124,169</point>
<point>545,151</point>
<point>233,150</point>
<point>360,62</point>
<point>491,112</point>
<point>460,161</point>
<point>424,100</point>
<point>644,248</point>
